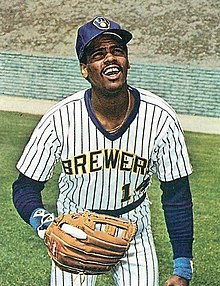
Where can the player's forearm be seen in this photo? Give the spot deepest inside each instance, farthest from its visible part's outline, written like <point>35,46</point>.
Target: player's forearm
<point>27,196</point>
<point>179,221</point>
<point>177,205</point>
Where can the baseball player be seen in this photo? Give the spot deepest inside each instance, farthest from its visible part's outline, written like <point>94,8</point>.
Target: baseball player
<point>110,139</point>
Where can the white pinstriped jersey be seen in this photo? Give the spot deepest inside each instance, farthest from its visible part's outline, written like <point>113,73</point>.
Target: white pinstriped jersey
<point>102,170</point>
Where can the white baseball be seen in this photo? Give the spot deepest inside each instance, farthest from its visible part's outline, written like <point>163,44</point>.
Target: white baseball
<point>74,231</point>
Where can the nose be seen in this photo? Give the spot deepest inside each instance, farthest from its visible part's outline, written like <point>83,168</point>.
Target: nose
<point>109,57</point>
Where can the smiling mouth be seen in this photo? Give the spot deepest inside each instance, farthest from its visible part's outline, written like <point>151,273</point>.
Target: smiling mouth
<point>111,71</point>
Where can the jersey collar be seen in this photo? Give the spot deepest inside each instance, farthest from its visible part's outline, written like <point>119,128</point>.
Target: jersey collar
<point>125,126</point>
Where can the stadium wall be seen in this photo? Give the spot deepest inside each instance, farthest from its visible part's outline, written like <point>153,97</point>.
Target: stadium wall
<point>190,90</point>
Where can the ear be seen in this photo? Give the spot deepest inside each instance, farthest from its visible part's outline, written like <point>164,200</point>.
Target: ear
<point>84,71</point>
<point>129,65</point>
<point>126,48</point>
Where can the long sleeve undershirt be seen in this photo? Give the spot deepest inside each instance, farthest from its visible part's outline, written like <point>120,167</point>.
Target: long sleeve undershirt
<point>27,196</point>
<point>177,205</point>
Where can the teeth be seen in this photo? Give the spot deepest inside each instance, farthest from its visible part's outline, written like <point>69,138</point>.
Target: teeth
<point>111,71</point>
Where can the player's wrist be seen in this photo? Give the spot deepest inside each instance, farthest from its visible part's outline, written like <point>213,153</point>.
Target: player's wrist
<point>183,267</point>
<point>40,219</point>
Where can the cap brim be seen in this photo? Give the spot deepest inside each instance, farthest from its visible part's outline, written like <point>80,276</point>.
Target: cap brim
<point>124,34</point>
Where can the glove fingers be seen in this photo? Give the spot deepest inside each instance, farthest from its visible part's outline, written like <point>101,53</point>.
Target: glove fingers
<point>85,258</point>
<point>76,260</point>
<point>90,245</point>
<point>87,268</point>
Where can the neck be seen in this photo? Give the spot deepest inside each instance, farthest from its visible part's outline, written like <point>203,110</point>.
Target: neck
<point>112,110</point>
<point>110,102</point>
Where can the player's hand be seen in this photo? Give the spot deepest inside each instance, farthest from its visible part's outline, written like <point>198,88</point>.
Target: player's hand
<point>40,220</point>
<point>176,281</point>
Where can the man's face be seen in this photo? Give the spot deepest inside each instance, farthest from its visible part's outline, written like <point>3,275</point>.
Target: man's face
<point>106,65</point>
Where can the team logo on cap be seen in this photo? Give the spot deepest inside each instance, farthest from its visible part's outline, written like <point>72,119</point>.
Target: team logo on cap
<point>101,23</point>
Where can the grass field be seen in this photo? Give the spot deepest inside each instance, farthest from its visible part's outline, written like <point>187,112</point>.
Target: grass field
<point>24,261</point>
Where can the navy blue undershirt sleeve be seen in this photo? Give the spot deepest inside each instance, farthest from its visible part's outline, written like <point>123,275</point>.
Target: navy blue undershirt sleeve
<point>177,205</point>
<point>27,196</point>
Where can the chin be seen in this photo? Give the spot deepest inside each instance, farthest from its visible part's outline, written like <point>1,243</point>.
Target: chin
<point>115,88</point>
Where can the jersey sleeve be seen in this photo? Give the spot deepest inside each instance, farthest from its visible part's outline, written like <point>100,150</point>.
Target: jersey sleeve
<point>41,152</point>
<point>170,159</point>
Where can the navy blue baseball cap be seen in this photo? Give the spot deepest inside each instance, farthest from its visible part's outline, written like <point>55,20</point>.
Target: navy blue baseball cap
<point>96,27</point>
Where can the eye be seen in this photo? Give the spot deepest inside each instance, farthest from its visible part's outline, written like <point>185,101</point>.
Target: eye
<point>118,51</point>
<point>97,55</point>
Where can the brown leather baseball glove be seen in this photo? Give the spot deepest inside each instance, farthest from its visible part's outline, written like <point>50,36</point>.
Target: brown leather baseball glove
<point>87,242</point>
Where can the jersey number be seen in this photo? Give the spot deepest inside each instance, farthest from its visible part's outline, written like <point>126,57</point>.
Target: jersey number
<point>126,193</point>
